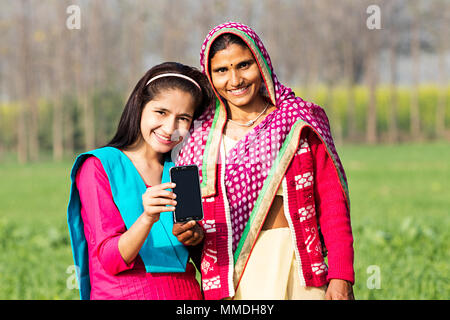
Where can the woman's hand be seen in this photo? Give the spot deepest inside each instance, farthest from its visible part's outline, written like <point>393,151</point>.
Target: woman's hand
<point>339,290</point>
<point>189,233</point>
<point>155,201</point>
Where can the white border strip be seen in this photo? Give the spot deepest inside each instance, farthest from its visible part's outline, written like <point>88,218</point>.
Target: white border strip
<point>291,227</point>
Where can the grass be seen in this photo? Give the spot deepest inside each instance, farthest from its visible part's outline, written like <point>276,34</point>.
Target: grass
<point>34,245</point>
<point>400,217</point>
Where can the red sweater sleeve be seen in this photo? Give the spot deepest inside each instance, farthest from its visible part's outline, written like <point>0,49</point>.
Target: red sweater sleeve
<point>103,224</point>
<point>333,214</point>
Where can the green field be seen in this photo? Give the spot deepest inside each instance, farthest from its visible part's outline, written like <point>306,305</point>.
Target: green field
<point>400,198</point>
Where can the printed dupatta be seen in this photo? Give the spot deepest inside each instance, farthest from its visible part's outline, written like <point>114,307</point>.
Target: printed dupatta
<point>254,159</point>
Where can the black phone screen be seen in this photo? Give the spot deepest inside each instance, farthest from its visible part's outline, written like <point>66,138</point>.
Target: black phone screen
<point>189,199</point>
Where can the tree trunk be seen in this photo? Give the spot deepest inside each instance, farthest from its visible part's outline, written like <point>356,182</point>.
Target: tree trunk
<point>57,75</point>
<point>88,120</point>
<point>57,136</point>
<point>90,77</point>
<point>371,123</point>
<point>22,144</point>
<point>29,87</point>
<point>333,114</point>
<point>441,52</point>
<point>415,129</point>
<point>70,86</point>
<point>349,83</point>
<point>392,110</point>
<point>170,36</point>
<point>24,84</point>
<point>33,133</point>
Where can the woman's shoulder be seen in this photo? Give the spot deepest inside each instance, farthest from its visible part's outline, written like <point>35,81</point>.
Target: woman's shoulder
<point>305,107</point>
<point>91,170</point>
<point>94,160</point>
<point>92,163</point>
<point>308,112</point>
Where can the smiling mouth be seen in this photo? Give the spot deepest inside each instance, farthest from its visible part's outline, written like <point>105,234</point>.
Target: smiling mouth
<point>239,91</point>
<point>163,139</point>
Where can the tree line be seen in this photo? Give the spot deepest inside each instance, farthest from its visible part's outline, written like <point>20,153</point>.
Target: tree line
<point>62,90</point>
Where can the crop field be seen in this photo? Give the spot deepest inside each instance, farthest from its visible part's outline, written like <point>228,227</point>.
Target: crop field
<point>400,209</point>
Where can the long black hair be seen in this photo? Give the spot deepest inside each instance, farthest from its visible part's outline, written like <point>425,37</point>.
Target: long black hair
<point>129,129</point>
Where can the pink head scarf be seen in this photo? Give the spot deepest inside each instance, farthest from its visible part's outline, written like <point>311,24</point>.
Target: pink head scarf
<point>250,162</point>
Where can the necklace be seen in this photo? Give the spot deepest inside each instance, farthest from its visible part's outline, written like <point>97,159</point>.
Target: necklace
<point>251,122</point>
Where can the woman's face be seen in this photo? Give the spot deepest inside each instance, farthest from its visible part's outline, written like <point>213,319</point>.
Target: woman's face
<point>166,119</point>
<point>235,75</point>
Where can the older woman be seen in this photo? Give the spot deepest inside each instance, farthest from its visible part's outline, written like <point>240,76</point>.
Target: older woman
<point>272,183</point>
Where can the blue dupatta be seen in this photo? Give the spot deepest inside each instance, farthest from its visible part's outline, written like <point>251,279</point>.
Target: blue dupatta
<point>161,251</point>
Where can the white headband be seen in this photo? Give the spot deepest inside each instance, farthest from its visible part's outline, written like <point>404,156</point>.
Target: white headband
<point>173,75</point>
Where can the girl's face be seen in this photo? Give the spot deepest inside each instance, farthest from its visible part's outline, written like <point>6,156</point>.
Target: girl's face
<point>235,75</point>
<point>166,119</point>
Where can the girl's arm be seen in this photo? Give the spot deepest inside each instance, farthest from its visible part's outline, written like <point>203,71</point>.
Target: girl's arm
<point>103,223</point>
<point>154,200</point>
<point>115,247</point>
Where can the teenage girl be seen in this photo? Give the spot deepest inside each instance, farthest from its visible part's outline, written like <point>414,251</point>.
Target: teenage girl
<point>124,242</point>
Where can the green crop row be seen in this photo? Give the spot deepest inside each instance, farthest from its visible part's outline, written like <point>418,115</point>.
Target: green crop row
<point>336,104</point>
<point>108,105</point>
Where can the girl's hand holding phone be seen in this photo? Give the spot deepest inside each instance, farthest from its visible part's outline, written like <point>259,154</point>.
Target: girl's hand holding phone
<point>156,199</point>
<point>189,233</point>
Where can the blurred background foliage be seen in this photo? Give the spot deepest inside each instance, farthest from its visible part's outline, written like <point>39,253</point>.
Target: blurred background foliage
<point>62,90</point>
<point>385,91</point>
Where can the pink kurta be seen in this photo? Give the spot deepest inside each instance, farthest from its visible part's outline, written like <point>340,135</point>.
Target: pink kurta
<point>110,276</point>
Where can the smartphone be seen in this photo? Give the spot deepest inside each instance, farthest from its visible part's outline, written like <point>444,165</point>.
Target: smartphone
<point>189,197</point>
